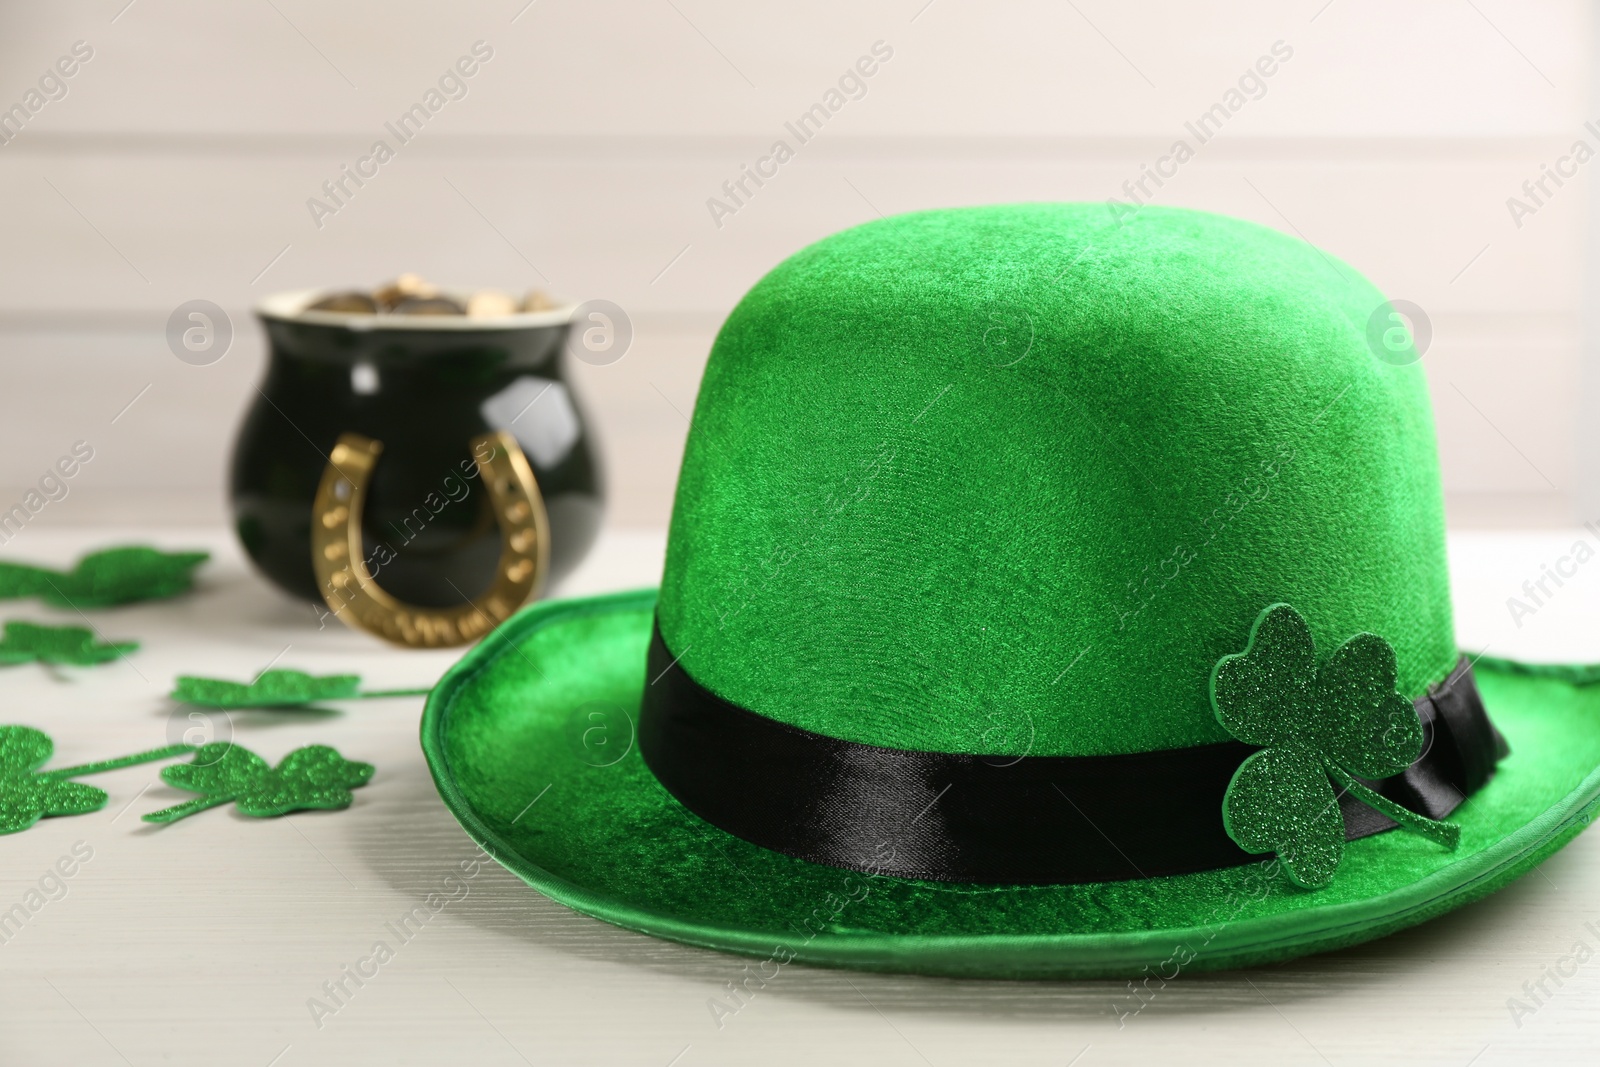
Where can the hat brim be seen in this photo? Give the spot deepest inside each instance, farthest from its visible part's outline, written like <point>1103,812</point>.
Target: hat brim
<point>530,741</point>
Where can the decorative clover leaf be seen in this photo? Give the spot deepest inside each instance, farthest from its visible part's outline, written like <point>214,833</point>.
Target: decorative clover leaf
<point>271,689</point>
<point>111,576</point>
<point>26,796</point>
<point>26,642</point>
<point>277,689</point>
<point>19,580</point>
<point>312,777</point>
<point>1343,719</point>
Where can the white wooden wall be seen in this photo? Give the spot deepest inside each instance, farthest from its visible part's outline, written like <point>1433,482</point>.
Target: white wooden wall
<point>179,162</point>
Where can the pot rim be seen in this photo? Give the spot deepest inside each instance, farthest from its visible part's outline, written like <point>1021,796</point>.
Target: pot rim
<point>290,306</point>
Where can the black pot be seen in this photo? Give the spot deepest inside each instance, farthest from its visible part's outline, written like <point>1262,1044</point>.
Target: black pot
<point>424,387</point>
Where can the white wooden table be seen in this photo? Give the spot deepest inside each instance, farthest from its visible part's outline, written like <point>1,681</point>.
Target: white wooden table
<point>202,942</point>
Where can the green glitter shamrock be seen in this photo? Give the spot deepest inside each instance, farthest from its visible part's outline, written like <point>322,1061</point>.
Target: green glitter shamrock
<point>27,642</point>
<point>110,576</point>
<point>1339,720</point>
<point>277,689</point>
<point>28,794</point>
<point>312,777</point>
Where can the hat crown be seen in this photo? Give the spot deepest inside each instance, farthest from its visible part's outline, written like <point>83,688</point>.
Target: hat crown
<point>1010,480</point>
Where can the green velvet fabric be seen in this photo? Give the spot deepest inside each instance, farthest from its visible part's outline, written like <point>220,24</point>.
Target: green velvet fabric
<point>971,476</point>
<point>510,736</point>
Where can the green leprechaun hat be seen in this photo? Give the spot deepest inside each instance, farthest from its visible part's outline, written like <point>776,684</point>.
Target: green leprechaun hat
<point>1048,594</point>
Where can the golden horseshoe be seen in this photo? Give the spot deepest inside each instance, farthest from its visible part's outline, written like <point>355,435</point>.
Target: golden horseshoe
<point>353,594</point>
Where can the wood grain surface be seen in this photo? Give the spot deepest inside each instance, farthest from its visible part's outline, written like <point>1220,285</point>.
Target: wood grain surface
<point>203,942</point>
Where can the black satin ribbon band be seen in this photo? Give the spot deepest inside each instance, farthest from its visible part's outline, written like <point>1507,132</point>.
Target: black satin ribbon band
<point>1030,820</point>
<point>1460,748</point>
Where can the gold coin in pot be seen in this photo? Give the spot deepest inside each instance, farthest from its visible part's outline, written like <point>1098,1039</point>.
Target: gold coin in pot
<point>405,287</point>
<point>429,305</point>
<point>352,302</point>
<point>490,302</point>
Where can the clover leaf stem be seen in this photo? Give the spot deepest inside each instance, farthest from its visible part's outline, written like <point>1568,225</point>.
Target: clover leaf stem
<point>1443,833</point>
<point>115,764</point>
<point>188,807</point>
